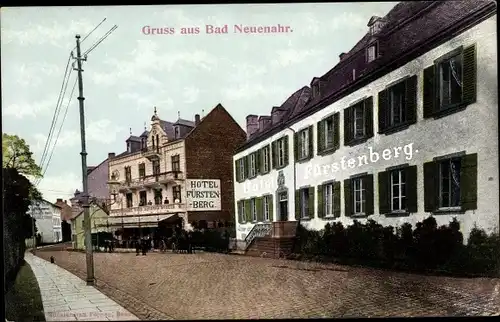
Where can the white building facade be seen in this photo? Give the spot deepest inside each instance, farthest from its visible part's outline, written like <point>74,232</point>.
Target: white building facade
<point>420,140</point>
<point>48,220</point>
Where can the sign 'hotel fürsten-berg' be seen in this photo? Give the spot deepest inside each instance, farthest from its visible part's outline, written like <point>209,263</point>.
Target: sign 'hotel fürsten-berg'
<point>203,195</point>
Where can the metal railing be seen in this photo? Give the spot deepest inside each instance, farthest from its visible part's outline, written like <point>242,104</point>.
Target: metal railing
<point>258,230</point>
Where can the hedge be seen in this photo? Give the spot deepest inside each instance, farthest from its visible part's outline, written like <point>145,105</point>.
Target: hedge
<point>426,248</point>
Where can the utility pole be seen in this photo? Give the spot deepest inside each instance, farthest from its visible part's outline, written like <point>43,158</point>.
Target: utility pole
<point>85,197</point>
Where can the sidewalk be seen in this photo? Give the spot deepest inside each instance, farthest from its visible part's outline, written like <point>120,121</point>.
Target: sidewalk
<point>67,298</point>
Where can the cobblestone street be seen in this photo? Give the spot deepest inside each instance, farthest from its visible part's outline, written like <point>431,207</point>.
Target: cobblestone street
<point>216,286</point>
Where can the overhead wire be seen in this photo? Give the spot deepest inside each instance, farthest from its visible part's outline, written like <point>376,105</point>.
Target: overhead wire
<point>55,116</point>
<point>60,99</point>
<point>100,40</point>
<point>61,126</point>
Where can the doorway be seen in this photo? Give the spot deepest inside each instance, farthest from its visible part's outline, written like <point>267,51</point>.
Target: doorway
<point>283,206</point>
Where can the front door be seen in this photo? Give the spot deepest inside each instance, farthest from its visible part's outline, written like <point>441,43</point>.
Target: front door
<point>283,206</point>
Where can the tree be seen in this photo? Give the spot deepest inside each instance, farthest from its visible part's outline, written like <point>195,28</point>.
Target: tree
<point>16,154</point>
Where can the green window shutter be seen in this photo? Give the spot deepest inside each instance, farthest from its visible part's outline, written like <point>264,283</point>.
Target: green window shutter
<point>248,212</point>
<point>347,198</point>
<point>261,160</point>
<point>260,210</point>
<point>336,199</point>
<point>411,99</point>
<point>296,146</point>
<point>286,150</point>
<point>347,126</point>
<point>321,202</point>
<point>271,207</point>
<point>369,117</point>
<point>311,142</point>
<point>411,189</point>
<point>321,136</point>
<point>274,156</point>
<point>237,169</point>
<point>311,202</point>
<point>469,74</point>
<point>468,182</point>
<point>297,204</point>
<point>368,186</point>
<point>336,130</point>
<point>383,109</point>
<point>429,91</point>
<point>245,167</point>
<point>238,211</point>
<point>431,186</point>
<point>257,161</point>
<point>384,192</point>
<point>268,149</point>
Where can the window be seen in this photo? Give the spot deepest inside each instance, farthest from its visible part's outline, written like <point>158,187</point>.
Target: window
<point>142,170</point>
<point>158,196</point>
<point>266,204</point>
<point>397,110</point>
<point>241,168</point>
<point>359,196</point>
<point>265,153</point>
<point>156,167</point>
<point>176,193</point>
<point>304,203</point>
<point>449,183</point>
<point>372,52</point>
<point>315,90</point>
<point>143,143</point>
<point>328,199</point>
<point>241,210</point>
<point>328,133</point>
<point>303,144</point>
<point>398,198</point>
<point>128,174</point>
<point>253,205</point>
<point>176,163</point>
<point>281,152</point>
<point>129,200</point>
<point>450,84</point>
<point>253,165</point>
<point>129,149</point>
<point>157,142</point>
<point>177,132</point>
<point>143,200</point>
<point>450,81</point>
<point>359,121</point>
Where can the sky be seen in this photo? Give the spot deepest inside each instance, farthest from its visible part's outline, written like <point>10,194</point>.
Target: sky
<point>130,72</point>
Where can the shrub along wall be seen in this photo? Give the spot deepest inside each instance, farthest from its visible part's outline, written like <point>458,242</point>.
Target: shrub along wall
<point>425,248</point>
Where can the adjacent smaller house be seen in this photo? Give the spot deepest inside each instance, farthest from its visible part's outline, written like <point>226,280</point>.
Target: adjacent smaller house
<point>99,223</point>
<point>48,220</point>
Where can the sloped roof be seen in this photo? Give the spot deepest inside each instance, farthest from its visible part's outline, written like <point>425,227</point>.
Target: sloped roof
<point>184,122</point>
<point>411,28</point>
<point>133,138</point>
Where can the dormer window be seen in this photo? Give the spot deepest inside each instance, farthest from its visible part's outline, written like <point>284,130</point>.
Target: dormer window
<point>128,147</point>
<point>143,143</point>
<point>315,90</point>
<point>372,52</point>
<point>176,132</point>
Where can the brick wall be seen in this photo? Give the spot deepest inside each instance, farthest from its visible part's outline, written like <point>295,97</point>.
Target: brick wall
<point>209,154</point>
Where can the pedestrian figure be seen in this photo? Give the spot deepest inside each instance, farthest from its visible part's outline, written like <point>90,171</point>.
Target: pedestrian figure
<point>137,246</point>
<point>144,247</point>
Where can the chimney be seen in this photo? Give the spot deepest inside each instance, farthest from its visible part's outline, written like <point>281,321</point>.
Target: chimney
<point>196,119</point>
<point>111,155</point>
<point>264,122</point>
<point>252,124</point>
<point>341,56</point>
<point>66,201</point>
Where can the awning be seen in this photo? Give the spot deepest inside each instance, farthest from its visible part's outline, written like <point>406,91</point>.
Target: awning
<point>136,221</point>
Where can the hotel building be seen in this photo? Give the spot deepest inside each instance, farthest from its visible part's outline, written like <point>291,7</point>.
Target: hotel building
<point>176,173</point>
<point>405,126</point>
